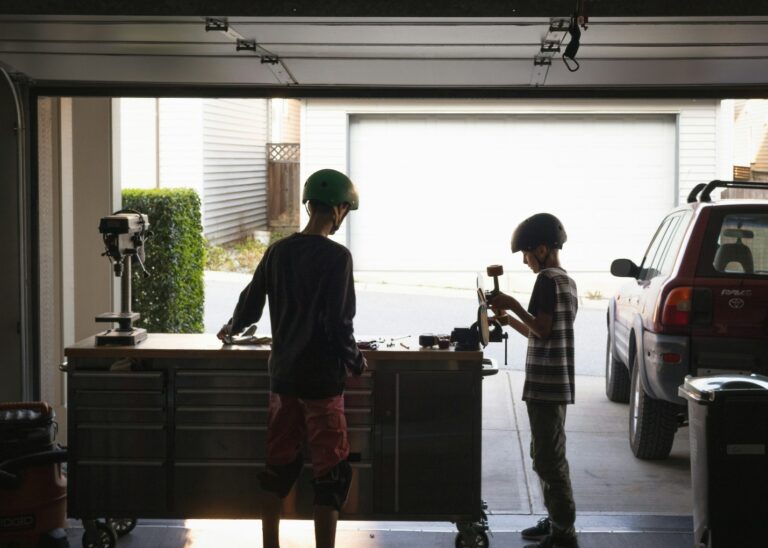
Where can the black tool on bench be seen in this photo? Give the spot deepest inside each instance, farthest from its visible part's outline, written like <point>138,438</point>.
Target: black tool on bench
<point>496,333</point>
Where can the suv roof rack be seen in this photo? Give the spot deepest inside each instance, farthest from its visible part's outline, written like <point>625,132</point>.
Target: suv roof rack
<point>706,188</point>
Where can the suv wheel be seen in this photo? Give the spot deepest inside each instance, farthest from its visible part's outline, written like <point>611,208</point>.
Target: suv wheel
<point>616,376</point>
<point>652,423</point>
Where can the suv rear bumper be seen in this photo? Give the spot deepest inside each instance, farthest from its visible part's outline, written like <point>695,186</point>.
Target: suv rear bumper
<point>699,356</point>
<point>662,379</point>
<point>719,355</point>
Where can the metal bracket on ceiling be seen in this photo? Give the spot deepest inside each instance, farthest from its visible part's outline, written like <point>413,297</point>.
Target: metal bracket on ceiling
<point>216,24</point>
<point>266,57</point>
<point>550,45</point>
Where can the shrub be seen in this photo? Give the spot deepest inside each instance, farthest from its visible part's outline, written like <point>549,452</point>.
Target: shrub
<point>242,256</point>
<point>218,258</point>
<point>171,299</point>
<point>248,253</point>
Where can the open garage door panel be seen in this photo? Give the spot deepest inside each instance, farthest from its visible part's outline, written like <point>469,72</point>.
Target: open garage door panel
<point>443,193</point>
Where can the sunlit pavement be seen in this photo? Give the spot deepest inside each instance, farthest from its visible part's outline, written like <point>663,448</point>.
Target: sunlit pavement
<point>600,532</point>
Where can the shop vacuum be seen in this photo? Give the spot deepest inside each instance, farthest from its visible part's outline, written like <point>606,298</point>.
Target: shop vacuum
<point>33,488</point>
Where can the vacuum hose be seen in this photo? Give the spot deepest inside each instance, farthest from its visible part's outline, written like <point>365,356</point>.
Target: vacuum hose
<point>10,479</point>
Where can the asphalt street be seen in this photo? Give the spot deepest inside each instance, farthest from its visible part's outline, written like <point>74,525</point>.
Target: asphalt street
<point>386,311</point>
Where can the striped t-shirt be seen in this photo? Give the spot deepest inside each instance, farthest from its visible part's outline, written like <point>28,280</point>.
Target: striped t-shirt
<point>549,364</point>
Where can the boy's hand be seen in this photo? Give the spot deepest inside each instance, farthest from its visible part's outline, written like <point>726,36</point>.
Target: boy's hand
<point>502,301</point>
<point>225,333</point>
<point>363,367</point>
<point>500,316</point>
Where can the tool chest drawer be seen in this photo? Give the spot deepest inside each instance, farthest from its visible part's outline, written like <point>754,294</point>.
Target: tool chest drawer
<point>363,381</point>
<point>199,397</point>
<point>122,399</point>
<point>361,442</point>
<point>235,484</point>
<point>115,415</point>
<point>222,379</point>
<point>220,441</point>
<point>117,380</point>
<point>124,488</point>
<point>357,416</point>
<point>121,441</point>
<point>202,415</point>
<point>358,398</point>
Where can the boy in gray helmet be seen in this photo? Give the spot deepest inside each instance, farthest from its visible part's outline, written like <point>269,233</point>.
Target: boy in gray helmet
<point>549,370</point>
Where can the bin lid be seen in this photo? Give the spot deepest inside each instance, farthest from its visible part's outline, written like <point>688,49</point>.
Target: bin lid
<point>707,388</point>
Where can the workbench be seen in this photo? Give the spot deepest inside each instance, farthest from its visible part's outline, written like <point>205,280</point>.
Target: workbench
<point>175,427</point>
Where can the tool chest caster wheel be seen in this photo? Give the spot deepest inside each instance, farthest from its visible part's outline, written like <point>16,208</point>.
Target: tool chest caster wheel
<point>473,535</point>
<point>122,526</point>
<point>98,535</point>
<point>477,539</point>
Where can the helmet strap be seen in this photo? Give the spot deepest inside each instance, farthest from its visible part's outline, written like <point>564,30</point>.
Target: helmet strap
<point>338,218</point>
<point>543,262</point>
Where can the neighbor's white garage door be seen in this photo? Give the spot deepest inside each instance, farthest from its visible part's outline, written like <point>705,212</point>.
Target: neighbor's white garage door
<point>445,192</point>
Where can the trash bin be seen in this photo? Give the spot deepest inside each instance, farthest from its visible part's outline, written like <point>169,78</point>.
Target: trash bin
<point>728,417</point>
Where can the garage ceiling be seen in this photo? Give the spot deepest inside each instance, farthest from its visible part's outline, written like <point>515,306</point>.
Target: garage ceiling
<point>696,52</point>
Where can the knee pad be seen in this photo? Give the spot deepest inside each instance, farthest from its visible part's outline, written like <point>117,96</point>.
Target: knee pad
<point>279,478</point>
<point>332,488</point>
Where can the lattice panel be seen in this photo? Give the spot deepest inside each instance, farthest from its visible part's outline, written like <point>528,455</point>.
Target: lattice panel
<point>284,152</point>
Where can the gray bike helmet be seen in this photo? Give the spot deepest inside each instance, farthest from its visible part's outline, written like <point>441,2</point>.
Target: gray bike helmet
<point>539,229</point>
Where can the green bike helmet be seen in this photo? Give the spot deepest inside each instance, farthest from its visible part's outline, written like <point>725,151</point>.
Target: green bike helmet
<point>330,187</point>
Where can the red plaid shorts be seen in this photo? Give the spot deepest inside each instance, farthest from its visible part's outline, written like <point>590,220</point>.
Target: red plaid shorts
<point>320,422</point>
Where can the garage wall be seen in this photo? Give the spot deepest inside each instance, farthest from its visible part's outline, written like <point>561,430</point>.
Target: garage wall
<point>691,136</point>
<point>13,384</point>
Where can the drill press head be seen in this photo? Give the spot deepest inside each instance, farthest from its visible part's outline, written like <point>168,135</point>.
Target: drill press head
<point>124,234</point>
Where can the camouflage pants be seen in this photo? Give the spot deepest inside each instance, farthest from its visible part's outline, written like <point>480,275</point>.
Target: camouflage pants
<point>550,464</point>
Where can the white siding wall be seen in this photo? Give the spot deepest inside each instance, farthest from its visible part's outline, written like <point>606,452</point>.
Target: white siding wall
<point>697,150</point>
<point>325,135</point>
<point>235,167</point>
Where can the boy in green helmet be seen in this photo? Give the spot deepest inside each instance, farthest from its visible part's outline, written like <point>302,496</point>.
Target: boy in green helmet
<point>549,371</point>
<point>308,280</point>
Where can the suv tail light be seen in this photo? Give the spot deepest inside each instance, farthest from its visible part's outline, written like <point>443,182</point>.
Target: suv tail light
<point>677,307</point>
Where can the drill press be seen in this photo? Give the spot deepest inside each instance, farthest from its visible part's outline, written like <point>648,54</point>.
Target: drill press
<point>124,234</point>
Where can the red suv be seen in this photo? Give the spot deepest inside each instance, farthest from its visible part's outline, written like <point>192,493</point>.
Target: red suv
<point>696,305</point>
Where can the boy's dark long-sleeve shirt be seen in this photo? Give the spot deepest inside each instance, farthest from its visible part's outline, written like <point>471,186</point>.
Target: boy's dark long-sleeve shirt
<point>308,280</point>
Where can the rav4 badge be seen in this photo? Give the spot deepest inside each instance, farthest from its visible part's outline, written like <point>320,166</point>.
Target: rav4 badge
<point>737,292</point>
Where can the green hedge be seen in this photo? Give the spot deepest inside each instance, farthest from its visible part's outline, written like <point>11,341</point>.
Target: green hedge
<point>171,299</point>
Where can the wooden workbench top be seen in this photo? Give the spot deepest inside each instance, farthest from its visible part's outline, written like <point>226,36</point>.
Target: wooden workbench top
<point>174,345</point>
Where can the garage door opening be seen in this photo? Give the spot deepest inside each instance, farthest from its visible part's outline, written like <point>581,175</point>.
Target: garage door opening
<point>443,184</point>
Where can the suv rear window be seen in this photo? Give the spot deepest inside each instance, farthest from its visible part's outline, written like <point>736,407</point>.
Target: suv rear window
<point>736,245</point>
